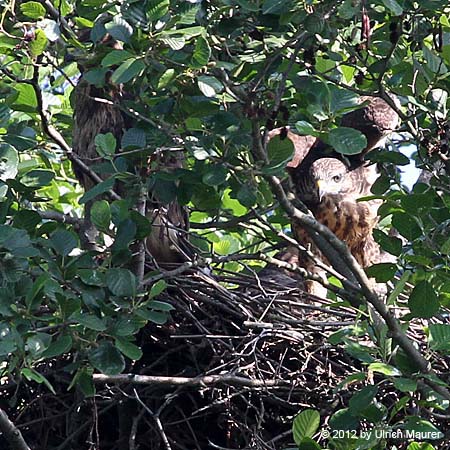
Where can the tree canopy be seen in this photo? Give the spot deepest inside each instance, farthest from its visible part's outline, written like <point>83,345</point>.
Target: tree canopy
<point>210,79</point>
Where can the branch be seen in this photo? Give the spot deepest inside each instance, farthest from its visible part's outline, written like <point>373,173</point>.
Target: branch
<point>55,14</point>
<point>11,433</point>
<point>341,255</point>
<point>60,217</point>
<point>201,381</point>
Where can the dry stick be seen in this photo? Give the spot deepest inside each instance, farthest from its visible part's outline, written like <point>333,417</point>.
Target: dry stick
<point>346,258</point>
<point>157,420</point>
<point>202,381</point>
<point>11,433</point>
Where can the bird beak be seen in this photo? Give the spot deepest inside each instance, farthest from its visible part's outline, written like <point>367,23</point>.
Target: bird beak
<point>320,187</point>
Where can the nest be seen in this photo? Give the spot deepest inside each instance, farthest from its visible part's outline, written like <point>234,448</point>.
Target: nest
<point>231,369</point>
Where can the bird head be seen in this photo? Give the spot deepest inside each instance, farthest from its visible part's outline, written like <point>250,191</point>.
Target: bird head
<point>328,176</point>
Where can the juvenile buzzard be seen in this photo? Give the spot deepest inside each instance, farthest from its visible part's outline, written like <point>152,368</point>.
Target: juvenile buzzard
<point>330,184</point>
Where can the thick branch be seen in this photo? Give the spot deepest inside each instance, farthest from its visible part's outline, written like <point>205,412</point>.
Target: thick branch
<point>60,217</point>
<point>344,257</point>
<point>11,433</point>
<point>202,381</point>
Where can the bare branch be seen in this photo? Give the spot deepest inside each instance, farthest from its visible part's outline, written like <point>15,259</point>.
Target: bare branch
<point>201,381</point>
<point>12,433</point>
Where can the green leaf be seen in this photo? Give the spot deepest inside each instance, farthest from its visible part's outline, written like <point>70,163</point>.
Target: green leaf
<point>405,384</point>
<point>98,189</point>
<point>37,178</point>
<point>347,141</point>
<point>394,7</point>
<point>126,231</point>
<point>96,76</point>
<point>273,6</point>
<point>128,70</point>
<point>423,301</point>
<point>342,100</point>
<point>421,426</point>
<point>33,10</point>
<point>39,43</point>
<point>390,156</point>
<point>26,100</point>
<point>107,359</point>
<point>280,152</point>
<point>121,282</point>
<point>249,5</point>
<point>9,162</point>
<point>83,379</point>
<point>129,349</point>
<point>175,43</point>
<point>33,375</point>
<point>406,225</point>
<point>385,369</point>
<point>89,321</point>
<point>209,86</point>
<point>305,128</point>
<point>157,9</point>
<point>119,29</point>
<point>305,425</point>
<point>160,306</point>
<point>158,317</point>
<point>157,288</point>
<point>343,420</point>
<point>37,343</point>
<point>101,215</point>
<point>439,337</point>
<point>91,277</point>
<point>115,57</point>
<point>166,78</point>
<point>215,175</point>
<point>247,195</point>
<point>133,138</point>
<point>27,219</point>
<point>63,241</point>
<point>381,185</point>
<point>420,446</point>
<point>201,55</point>
<point>399,287</point>
<point>382,272</point>
<point>390,244</point>
<point>34,292</point>
<point>142,224</point>
<point>362,399</point>
<point>62,345</point>
<point>106,144</point>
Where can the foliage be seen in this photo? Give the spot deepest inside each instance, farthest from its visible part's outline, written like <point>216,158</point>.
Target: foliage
<point>203,75</point>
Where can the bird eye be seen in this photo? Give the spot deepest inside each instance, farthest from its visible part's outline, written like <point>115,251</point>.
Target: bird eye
<point>337,178</point>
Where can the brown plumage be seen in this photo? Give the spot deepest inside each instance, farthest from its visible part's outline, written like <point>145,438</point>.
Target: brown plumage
<point>97,111</point>
<point>330,185</point>
<point>376,119</point>
<point>93,117</point>
<point>331,191</point>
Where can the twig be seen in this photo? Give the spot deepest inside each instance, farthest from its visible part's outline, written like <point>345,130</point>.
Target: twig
<point>156,419</point>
